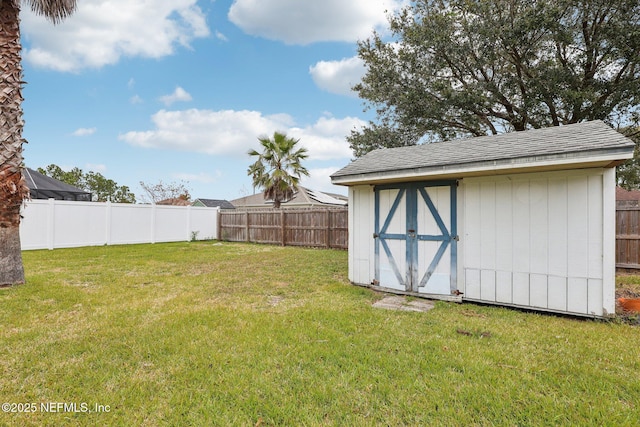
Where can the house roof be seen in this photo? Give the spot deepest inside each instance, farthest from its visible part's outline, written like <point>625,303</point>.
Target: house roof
<point>304,197</point>
<point>592,144</point>
<point>174,201</point>
<point>626,195</point>
<point>45,187</point>
<point>214,203</point>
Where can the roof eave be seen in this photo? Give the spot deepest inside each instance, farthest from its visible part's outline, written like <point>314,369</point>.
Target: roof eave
<point>591,159</point>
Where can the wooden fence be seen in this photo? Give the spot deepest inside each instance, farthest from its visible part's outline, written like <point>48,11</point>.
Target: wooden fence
<point>628,237</point>
<point>327,228</point>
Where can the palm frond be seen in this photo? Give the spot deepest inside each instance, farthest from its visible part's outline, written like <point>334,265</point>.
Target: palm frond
<point>278,167</point>
<point>54,10</point>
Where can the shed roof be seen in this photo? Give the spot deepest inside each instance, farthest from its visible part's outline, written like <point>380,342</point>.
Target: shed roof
<point>588,144</point>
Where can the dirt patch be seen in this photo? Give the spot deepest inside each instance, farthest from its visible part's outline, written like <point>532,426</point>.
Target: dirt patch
<point>397,302</point>
<point>627,293</point>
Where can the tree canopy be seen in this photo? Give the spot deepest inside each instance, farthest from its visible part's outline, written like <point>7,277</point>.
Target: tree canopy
<point>464,68</point>
<point>628,173</point>
<point>101,188</point>
<point>160,191</point>
<point>278,168</point>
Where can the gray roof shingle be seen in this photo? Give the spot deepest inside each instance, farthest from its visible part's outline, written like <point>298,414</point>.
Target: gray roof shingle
<point>540,144</point>
<point>44,187</point>
<point>216,203</point>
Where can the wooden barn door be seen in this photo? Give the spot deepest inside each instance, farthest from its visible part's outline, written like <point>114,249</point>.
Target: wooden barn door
<point>416,237</point>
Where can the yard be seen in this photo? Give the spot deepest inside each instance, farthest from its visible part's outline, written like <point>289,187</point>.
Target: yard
<point>206,333</point>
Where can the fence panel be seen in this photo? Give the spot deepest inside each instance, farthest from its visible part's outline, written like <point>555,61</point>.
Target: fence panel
<point>233,228</point>
<point>628,237</point>
<point>49,224</point>
<point>131,224</point>
<point>288,227</point>
<point>72,230</point>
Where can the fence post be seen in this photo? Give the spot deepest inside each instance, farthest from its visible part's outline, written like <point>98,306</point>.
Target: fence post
<point>283,226</point>
<point>328,229</point>
<point>153,222</point>
<point>189,223</point>
<point>219,224</point>
<point>51,223</point>
<point>246,217</point>
<point>108,223</point>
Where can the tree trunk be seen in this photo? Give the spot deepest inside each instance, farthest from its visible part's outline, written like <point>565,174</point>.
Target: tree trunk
<point>13,189</point>
<point>11,270</point>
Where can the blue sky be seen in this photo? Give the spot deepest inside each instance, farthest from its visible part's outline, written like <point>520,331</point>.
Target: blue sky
<point>180,90</point>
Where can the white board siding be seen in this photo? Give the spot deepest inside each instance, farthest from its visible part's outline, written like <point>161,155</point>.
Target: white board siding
<point>609,240</point>
<point>538,240</point>
<point>361,242</point>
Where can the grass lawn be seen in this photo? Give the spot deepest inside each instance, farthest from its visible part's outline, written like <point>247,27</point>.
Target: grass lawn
<point>204,333</point>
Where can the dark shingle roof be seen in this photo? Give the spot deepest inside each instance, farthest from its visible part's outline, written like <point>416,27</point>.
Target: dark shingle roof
<point>304,197</point>
<point>215,203</point>
<point>540,144</point>
<point>45,187</point>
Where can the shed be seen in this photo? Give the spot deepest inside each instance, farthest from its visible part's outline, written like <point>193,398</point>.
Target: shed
<point>523,219</point>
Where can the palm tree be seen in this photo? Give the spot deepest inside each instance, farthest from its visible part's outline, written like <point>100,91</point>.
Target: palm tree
<point>13,190</point>
<point>278,168</point>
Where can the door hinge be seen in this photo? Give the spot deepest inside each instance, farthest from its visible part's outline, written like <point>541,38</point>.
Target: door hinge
<point>456,238</point>
<point>376,235</point>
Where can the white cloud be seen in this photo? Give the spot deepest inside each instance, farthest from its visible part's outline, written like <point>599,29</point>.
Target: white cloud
<point>221,36</point>
<point>230,132</point>
<point>326,138</point>
<point>338,76</point>
<point>320,179</point>
<point>102,31</point>
<point>206,131</point>
<point>304,22</point>
<point>178,95</point>
<point>84,132</point>
<point>135,99</point>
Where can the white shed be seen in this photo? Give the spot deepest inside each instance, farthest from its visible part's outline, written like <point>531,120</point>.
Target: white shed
<point>523,219</point>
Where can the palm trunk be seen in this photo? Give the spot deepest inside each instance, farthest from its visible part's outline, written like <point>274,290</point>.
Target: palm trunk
<point>13,189</point>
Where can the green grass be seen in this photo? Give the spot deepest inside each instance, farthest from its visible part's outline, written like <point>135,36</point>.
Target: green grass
<point>203,333</point>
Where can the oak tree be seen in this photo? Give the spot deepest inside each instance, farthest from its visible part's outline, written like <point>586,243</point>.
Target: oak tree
<point>464,68</point>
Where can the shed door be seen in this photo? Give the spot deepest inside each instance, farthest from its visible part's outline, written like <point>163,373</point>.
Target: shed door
<point>416,237</point>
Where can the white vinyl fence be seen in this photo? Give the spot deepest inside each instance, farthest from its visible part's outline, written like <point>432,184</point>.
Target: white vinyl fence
<point>50,224</point>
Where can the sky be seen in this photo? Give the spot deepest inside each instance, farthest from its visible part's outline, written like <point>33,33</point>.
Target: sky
<point>179,91</point>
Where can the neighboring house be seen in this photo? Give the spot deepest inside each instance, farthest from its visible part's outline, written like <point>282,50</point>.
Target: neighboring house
<point>176,201</point>
<point>627,198</point>
<point>45,187</point>
<point>304,198</point>
<point>213,203</point>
